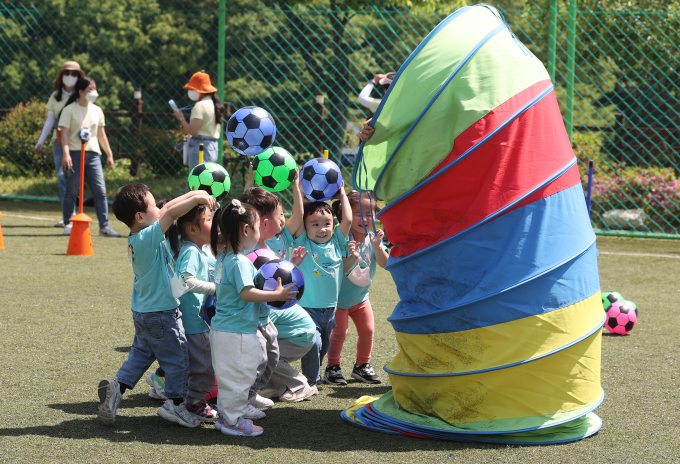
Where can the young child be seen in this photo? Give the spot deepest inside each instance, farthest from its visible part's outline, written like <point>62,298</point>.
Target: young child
<point>188,236</point>
<point>323,272</point>
<point>159,333</point>
<point>353,299</point>
<point>272,230</point>
<point>236,350</point>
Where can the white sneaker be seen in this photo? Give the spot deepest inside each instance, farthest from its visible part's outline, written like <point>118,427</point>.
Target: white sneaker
<point>178,414</point>
<point>157,396</point>
<point>269,393</point>
<point>260,402</point>
<point>108,232</point>
<point>60,224</point>
<point>253,413</point>
<point>296,397</point>
<point>109,399</point>
<point>67,228</point>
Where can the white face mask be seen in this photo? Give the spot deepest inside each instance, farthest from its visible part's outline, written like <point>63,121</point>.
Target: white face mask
<point>91,96</point>
<point>194,95</point>
<point>69,81</point>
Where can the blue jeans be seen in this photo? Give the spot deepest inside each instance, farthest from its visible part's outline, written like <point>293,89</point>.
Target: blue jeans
<point>58,153</point>
<point>94,176</point>
<point>210,149</point>
<point>324,319</point>
<point>158,336</point>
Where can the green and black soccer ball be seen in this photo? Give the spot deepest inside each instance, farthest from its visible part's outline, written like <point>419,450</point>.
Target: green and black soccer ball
<point>210,177</point>
<point>611,297</point>
<point>274,169</point>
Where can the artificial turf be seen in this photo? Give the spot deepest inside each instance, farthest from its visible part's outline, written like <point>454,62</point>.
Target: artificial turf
<point>65,324</point>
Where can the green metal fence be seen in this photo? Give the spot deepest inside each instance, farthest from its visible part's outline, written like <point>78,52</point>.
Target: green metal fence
<point>617,84</point>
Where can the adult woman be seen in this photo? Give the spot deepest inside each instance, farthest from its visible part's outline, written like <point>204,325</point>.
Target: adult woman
<point>63,88</point>
<point>82,118</point>
<point>206,118</point>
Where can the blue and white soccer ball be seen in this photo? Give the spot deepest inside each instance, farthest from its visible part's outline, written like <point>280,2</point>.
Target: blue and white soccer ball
<point>251,130</point>
<point>321,179</point>
<point>266,279</point>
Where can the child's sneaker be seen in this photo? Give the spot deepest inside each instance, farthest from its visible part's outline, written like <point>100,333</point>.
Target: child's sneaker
<point>202,411</point>
<point>242,428</point>
<point>253,413</point>
<point>268,393</point>
<point>109,399</point>
<point>260,402</point>
<point>178,414</point>
<point>365,373</point>
<point>157,396</point>
<point>156,382</point>
<point>334,376</point>
<point>295,397</point>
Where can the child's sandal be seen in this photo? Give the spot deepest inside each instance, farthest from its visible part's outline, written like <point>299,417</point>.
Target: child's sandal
<point>242,428</point>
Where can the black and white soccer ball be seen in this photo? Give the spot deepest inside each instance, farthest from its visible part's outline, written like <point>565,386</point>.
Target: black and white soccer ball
<point>251,130</point>
<point>321,179</point>
<point>266,279</point>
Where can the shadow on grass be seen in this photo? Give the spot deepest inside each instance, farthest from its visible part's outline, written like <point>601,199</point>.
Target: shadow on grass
<point>122,349</point>
<point>353,391</point>
<point>28,227</point>
<point>285,427</point>
<point>34,235</point>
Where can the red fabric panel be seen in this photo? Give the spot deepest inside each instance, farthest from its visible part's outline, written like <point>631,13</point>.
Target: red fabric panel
<point>521,156</point>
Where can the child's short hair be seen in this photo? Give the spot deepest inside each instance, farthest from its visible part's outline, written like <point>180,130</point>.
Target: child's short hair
<point>315,206</point>
<point>130,200</point>
<point>262,200</point>
<point>229,222</point>
<point>354,197</point>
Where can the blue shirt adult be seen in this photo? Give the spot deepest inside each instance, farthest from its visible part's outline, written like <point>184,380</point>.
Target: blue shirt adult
<point>193,261</point>
<point>233,273</point>
<point>153,266</point>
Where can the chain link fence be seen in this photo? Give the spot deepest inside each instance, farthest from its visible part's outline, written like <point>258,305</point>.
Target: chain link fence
<point>307,66</point>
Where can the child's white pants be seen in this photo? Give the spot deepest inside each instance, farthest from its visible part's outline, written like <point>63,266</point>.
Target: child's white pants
<point>235,358</point>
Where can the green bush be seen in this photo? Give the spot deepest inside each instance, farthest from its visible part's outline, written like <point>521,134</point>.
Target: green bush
<point>19,132</point>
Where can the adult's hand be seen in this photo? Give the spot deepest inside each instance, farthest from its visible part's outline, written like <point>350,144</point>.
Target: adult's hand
<point>377,78</point>
<point>109,162</point>
<point>38,149</point>
<point>66,163</point>
<point>366,131</point>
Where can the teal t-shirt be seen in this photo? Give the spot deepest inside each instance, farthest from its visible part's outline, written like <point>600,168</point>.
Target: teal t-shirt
<point>233,273</point>
<point>192,260</point>
<point>212,262</point>
<point>322,269</point>
<point>350,293</point>
<point>281,243</point>
<point>152,264</point>
<point>295,325</point>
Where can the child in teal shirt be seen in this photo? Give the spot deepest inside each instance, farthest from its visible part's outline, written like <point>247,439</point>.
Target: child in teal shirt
<point>159,333</point>
<point>236,351</point>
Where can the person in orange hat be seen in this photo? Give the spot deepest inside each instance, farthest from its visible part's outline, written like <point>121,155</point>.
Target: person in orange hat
<point>66,80</point>
<point>206,117</point>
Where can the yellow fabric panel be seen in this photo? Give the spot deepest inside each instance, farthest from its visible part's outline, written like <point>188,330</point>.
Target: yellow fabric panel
<point>497,345</point>
<point>561,382</point>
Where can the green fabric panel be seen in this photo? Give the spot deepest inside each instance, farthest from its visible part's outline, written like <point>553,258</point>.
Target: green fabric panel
<point>498,71</point>
<point>388,405</point>
<point>416,86</point>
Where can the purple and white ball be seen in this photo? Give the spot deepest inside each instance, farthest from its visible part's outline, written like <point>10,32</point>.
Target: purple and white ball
<point>266,279</point>
<point>321,179</point>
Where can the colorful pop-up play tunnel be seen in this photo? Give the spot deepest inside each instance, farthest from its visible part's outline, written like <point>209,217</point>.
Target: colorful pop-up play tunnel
<point>499,320</point>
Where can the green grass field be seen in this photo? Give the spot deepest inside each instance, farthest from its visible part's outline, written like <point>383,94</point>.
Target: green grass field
<point>65,324</point>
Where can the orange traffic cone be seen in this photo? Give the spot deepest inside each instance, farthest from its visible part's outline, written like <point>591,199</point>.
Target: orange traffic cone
<point>2,240</point>
<point>80,241</point>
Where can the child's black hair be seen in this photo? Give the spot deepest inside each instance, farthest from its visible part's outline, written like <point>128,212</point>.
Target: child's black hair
<point>229,223</point>
<point>178,228</point>
<point>262,200</point>
<point>354,197</point>
<point>130,200</point>
<point>314,206</point>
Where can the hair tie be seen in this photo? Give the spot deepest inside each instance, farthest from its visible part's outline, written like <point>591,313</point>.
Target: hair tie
<point>238,205</point>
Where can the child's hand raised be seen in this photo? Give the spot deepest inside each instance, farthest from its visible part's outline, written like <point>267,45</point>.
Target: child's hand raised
<point>251,178</point>
<point>354,249</point>
<point>207,199</point>
<point>284,293</point>
<point>298,255</point>
<point>296,182</point>
<point>377,238</point>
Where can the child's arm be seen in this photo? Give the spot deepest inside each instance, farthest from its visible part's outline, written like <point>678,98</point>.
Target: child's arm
<point>295,223</point>
<point>346,212</point>
<point>348,262</point>
<point>167,205</point>
<point>381,255</point>
<point>281,293</point>
<point>198,286</point>
<point>181,205</point>
<point>251,178</point>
